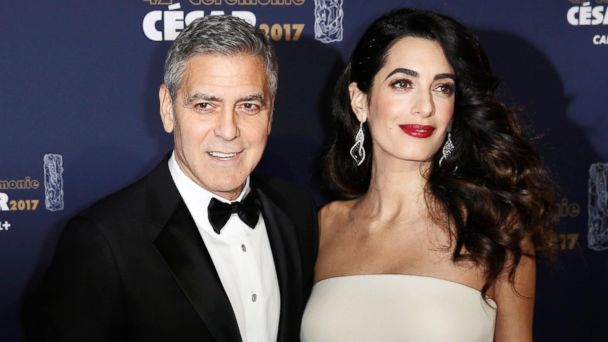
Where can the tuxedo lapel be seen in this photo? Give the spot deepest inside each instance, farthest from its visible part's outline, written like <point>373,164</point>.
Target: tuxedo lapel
<point>183,249</point>
<point>286,254</point>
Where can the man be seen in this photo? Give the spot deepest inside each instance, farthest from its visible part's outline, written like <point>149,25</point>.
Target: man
<point>197,250</point>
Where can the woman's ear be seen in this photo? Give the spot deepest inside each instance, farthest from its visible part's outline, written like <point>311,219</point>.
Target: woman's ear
<point>358,102</point>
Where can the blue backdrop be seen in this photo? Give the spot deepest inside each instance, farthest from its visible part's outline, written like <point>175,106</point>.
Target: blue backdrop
<point>79,117</point>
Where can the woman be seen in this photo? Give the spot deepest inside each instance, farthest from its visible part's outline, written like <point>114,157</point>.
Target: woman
<point>447,203</point>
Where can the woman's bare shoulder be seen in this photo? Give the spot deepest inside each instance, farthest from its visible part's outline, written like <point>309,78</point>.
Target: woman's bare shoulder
<point>336,210</point>
<point>334,215</point>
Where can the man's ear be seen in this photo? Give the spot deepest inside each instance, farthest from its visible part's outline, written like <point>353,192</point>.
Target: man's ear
<point>358,102</point>
<point>270,123</point>
<point>166,108</point>
<point>270,115</point>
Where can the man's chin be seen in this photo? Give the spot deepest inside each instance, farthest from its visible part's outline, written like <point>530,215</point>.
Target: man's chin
<point>229,191</point>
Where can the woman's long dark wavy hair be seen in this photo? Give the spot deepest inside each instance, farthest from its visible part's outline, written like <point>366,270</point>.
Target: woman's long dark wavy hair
<point>493,187</point>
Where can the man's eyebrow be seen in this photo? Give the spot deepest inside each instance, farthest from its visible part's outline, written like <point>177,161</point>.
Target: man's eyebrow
<point>212,98</point>
<point>414,73</point>
<point>253,97</point>
<point>201,96</point>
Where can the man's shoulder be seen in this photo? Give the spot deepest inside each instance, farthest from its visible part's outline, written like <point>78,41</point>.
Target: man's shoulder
<point>142,198</point>
<point>118,202</point>
<point>290,197</point>
<point>279,189</point>
<point>297,203</point>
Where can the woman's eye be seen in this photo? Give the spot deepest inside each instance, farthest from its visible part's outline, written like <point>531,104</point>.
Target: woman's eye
<point>401,84</point>
<point>445,88</point>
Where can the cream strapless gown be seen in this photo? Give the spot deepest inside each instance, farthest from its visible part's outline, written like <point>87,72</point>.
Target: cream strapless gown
<point>395,307</point>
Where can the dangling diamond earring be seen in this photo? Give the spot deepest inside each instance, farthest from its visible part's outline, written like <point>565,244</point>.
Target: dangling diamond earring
<point>448,148</point>
<point>357,152</point>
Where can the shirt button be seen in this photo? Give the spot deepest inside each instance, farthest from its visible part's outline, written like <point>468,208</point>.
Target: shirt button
<point>254,297</point>
<point>243,248</point>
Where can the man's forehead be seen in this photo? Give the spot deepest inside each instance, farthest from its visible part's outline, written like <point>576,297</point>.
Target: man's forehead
<point>254,60</point>
<point>246,68</point>
<point>209,74</point>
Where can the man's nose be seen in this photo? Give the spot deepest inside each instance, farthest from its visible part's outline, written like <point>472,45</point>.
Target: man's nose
<point>227,127</point>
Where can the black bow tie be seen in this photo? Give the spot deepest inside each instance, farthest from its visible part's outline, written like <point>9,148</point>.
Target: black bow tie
<point>248,210</point>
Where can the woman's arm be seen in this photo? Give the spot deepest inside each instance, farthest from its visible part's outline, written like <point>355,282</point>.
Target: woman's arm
<point>515,302</point>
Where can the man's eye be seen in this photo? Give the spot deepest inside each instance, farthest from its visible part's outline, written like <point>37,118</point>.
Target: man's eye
<point>250,108</point>
<point>203,106</point>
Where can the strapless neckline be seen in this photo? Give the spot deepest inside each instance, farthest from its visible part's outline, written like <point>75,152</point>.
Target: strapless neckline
<point>491,303</point>
<point>396,308</point>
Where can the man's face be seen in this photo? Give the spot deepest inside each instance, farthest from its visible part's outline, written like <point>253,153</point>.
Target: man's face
<point>220,120</point>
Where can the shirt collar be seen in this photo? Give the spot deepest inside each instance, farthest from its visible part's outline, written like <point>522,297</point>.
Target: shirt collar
<point>191,191</point>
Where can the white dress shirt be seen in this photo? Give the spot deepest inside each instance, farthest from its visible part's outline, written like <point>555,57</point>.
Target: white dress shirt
<point>243,260</point>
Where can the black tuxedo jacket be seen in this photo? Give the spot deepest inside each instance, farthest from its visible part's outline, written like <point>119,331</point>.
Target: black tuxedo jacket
<point>133,267</point>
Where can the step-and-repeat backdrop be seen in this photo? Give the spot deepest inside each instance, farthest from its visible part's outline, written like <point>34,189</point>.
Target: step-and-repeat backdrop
<point>79,117</point>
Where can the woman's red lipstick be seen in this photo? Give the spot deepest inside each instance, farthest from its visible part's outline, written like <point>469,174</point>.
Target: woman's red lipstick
<point>418,131</point>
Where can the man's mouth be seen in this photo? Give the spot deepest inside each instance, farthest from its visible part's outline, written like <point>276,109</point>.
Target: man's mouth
<point>223,155</point>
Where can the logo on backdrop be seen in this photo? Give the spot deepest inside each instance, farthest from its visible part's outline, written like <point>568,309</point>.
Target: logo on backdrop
<point>328,20</point>
<point>22,204</point>
<point>165,25</point>
<point>597,239</point>
<point>12,199</point>
<point>173,21</point>
<point>232,2</point>
<point>586,13</point>
<point>53,182</point>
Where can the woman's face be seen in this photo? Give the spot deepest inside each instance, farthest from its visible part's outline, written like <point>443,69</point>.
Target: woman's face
<point>411,103</point>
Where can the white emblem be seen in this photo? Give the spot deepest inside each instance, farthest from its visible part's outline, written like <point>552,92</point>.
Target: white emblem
<point>53,182</point>
<point>597,239</point>
<point>328,20</point>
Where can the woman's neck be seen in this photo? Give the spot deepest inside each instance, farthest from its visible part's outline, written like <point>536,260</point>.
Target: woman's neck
<point>396,189</point>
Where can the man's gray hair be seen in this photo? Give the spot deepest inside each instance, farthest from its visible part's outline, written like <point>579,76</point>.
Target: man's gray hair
<point>219,34</point>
